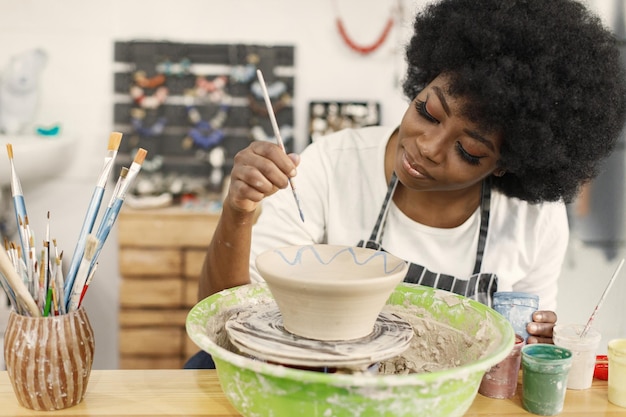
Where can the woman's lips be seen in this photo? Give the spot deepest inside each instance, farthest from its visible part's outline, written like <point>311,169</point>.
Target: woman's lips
<point>414,170</point>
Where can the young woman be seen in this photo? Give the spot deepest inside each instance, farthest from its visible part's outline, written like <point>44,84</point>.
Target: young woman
<point>514,104</point>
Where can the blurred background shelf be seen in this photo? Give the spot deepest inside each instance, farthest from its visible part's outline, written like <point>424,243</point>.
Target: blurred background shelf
<point>160,257</point>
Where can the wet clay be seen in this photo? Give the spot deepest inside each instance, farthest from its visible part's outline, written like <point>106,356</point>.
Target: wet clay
<point>435,346</point>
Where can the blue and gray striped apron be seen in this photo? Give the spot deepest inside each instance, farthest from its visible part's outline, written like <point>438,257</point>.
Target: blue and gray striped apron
<point>480,286</point>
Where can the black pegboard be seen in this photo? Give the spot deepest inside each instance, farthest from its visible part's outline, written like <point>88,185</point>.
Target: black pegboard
<point>166,130</point>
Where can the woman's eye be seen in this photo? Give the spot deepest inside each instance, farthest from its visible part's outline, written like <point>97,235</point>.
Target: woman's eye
<point>468,157</point>
<point>421,109</point>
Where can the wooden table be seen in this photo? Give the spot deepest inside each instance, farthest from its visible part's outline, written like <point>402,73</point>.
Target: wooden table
<point>198,393</point>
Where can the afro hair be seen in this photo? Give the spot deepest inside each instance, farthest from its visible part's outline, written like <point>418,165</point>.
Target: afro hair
<point>546,74</point>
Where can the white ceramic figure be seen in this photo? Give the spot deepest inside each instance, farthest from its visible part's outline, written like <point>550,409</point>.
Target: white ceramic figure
<point>19,91</point>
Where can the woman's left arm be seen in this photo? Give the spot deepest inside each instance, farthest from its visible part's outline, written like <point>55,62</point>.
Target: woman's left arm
<point>551,245</point>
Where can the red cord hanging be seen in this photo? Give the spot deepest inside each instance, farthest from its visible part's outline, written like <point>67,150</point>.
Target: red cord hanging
<point>364,49</point>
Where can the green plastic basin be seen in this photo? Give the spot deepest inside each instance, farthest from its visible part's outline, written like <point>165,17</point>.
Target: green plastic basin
<point>259,389</point>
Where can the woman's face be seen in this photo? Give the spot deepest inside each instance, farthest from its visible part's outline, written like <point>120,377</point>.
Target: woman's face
<point>438,149</point>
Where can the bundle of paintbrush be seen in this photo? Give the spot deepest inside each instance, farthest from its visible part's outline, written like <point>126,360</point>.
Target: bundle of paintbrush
<point>33,280</point>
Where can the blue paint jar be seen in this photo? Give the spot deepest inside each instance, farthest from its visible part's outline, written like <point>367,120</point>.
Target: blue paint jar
<point>517,307</point>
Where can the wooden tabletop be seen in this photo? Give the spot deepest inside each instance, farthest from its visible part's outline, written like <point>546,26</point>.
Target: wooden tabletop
<point>156,393</point>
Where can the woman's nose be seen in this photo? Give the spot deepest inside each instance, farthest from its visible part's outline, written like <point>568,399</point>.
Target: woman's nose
<point>431,146</point>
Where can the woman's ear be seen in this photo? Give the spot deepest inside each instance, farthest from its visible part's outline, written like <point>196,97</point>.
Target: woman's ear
<point>498,172</point>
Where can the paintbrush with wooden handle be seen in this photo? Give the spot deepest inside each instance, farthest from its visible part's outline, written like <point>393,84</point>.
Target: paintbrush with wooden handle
<point>15,282</point>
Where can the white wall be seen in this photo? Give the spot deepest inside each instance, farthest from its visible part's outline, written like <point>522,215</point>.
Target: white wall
<point>76,91</point>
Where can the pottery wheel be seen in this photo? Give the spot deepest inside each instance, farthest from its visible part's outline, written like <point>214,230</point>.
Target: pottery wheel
<point>260,333</point>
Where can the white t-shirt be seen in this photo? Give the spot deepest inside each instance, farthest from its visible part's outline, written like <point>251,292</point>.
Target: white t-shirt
<point>341,186</point>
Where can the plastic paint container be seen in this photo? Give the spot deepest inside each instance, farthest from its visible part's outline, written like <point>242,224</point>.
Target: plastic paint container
<point>602,368</point>
<point>617,372</point>
<point>544,378</point>
<point>583,353</point>
<point>501,380</point>
<point>517,307</point>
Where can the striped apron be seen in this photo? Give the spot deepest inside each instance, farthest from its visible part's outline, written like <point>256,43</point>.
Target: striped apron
<point>480,286</point>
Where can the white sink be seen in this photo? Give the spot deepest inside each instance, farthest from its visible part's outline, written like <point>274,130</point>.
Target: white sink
<point>37,158</point>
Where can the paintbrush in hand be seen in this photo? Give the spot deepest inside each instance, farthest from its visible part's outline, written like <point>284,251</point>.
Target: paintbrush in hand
<point>279,139</point>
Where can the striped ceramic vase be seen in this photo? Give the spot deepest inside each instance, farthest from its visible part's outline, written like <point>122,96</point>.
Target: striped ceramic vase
<point>48,359</point>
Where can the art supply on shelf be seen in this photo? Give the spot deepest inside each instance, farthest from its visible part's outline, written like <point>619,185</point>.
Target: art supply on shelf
<point>602,298</point>
<point>583,353</point>
<point>270,112</point>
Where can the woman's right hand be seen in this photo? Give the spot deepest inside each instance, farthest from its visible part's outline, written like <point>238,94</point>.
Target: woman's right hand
<point>259,171</point>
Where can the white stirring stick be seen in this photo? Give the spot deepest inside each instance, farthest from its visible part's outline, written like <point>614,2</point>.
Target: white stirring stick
<point>270,112</point>
<point>606,291</point>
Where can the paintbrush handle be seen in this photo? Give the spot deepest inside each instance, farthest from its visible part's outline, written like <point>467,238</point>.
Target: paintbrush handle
<point>9,292</point>
<point>606,291</point>
<point>106,224</point>
<point>20,217</point>
<point>59,286</point>
<point>77,256</point>
<point>92,272</point>
<point>108,220</point>
<point>79,283</point>
<point>279,139</point>
<point>15,282</point>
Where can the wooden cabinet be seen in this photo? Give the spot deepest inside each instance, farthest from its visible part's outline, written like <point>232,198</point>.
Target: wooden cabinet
<point>160,257</point>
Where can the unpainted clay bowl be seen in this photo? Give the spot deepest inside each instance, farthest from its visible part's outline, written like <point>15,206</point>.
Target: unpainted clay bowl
<point>260,389</point>
<point>330,292</point>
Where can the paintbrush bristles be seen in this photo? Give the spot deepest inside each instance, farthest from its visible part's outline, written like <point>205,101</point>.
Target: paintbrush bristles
<point>115,138</point>
<point>10,150</point>
<point>140,156</point>
<point>90,246</point>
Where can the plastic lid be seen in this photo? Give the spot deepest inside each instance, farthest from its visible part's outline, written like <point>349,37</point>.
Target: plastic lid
<point>568,335</point>
<point>515,297</point>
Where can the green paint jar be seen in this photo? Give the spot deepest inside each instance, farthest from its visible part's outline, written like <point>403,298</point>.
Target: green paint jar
<point>544,378</point>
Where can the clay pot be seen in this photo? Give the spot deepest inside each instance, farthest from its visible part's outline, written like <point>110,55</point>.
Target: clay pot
<point>330,292</point>
<point>49,359</point>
